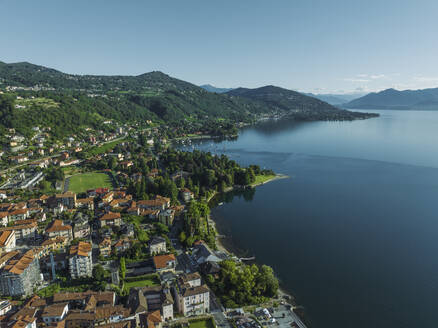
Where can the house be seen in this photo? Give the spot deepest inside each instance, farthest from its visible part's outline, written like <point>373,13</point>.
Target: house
<point>158,203</point>
<point>4,217</point>
<point>202,253</point>
<point>187,195</point>
<point>164,263</point>
<point>122,245</point>
<point>53,244</point>
<point>97,192</point>
<point>166,217</point>
<point>7,241</point>
<point>19,214</point>
<point>81,227</point>
<point>80,261</point>
<point>87,203</point>
<point>110,219</point>
<point>59,229</point>
<point>54,313</point>
<point>68,199</point>
<point>5,307</point>
<point>23,231</point>
<point>105,247</point>
<point>20,273</point>
<point>157,245</point>
<point>150,299</point>
<point>191,297</point>
<point>80,299</point>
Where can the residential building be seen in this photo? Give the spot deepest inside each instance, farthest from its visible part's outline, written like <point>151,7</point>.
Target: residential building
<point>80,261</point>
<point>7,241</point>
<point>59,229</point>
<point>164,263</point>
<point>5,307</point>
<point>166,217</point>
<point>4,217</point>
<point>187,195</point>
<point>20,273</point>
<point>87,203</point>
<point>191,297</point>
<point>110,219</point>
<point>54,313</point>
<point>81,227</point>
<point>157,245</point>
<point>67,199</point>
<point>23,231</point>
<point>150,299</point>
<point>105,247</point>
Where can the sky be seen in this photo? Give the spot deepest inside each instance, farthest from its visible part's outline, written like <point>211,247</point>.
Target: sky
<point>319,46</point>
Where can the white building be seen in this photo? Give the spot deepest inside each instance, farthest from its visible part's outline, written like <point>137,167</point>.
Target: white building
<point>80,261</point>
<point>192,298</point>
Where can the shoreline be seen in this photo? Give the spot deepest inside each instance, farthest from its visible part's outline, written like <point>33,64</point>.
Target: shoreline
<point>232,251</point>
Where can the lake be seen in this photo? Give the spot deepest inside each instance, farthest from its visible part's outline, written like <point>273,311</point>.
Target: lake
<point>353,232</point>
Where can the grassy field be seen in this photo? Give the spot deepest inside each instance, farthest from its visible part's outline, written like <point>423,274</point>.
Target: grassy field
<point>141,283</point>
<point>261,179</point>
<point>104,148</point>
<point>40,101</point>
<point>83,182</point>
<point>201,324</point>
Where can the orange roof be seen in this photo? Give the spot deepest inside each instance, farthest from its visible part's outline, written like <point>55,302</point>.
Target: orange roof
<point>81,249</point>
<point>4,236</point>
<point>110,216</point>
<point>3,214</point>
<point>85,200</point>
<point>20,227</point>
<point>19,211</point>
<point>18,266</point>
<point>52,241</point>
<point>161,261</point>
<point>58,225</point>
<point>153,318</point>
<point>27,221</point>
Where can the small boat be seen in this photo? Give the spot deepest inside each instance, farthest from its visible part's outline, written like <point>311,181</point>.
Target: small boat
<point>221,203</point>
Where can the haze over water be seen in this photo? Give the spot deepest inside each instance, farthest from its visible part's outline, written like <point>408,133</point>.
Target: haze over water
<point>353,233</point>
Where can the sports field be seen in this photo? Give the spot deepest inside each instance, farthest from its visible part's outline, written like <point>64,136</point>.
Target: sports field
<point>83,182</point>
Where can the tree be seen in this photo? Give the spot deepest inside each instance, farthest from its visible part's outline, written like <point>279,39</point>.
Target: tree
<point>98,273</point>
<point>122,267</point>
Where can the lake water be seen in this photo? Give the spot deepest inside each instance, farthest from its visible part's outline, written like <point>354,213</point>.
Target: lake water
<point>353,233</point>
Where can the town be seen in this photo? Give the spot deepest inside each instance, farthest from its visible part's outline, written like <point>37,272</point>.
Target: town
<point>112,228</point>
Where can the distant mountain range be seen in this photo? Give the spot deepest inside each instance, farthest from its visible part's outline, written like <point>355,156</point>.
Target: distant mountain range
<point>297,105</point>
<point>426,99</point>
<point>336,99</point>
<point>211,88</point>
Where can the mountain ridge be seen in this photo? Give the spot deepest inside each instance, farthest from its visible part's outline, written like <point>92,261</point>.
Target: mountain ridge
<point>422,99</point>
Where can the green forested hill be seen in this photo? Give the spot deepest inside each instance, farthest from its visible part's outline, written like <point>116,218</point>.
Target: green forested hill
<point>297,105</point>
<point>66,102</point>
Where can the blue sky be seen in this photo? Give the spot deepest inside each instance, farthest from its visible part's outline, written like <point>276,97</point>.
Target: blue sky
<point>308,45</point>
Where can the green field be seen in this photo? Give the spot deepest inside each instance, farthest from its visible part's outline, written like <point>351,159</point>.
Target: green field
<point>208,323</point>
<point>141,283</point>
<point>83,182</point>
<point>104,148</point>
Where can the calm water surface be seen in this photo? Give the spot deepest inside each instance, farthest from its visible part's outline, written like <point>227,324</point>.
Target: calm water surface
<point>353,234</point>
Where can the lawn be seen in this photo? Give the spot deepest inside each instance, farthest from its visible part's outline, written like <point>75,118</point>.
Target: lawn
<point>262,178</point>
<point>141,283</point>
<point>104,148</point>
<point>83,182</point>
<point>208,323</point>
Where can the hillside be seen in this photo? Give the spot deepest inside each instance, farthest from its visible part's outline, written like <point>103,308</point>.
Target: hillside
<point>297,105</point>
<point>426,99</point>
<point>67,102</point>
